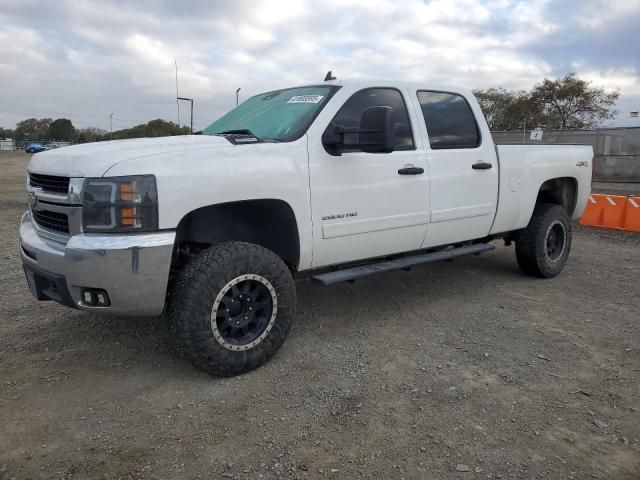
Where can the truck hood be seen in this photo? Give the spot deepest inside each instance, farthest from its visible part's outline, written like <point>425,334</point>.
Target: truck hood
<point>95,159</point>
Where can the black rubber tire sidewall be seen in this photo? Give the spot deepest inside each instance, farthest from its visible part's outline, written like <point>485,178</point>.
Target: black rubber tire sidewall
<point>193,294</point>
<point>531,242</point>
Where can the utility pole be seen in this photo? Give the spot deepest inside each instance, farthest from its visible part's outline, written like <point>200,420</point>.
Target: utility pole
<point>188,100</point>
<point>177,95</point>
<point>111,126</point>
<point>237,96</point>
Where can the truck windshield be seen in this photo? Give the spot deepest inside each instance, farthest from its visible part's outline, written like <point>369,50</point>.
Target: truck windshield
<point>280,115</point>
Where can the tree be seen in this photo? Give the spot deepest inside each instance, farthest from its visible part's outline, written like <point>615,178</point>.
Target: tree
<point>32,129</point>
<point>568,102</point>
<point>92,134</point>
<point>494,103</point>
<point>6,133</point>
<point>154,128</point>
<point>571,102</point>
<point>524,111</point>
<point>506,109</point>
<point>61,129</point>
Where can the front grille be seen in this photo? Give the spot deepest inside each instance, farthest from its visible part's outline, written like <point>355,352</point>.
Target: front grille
<point>49,183</point>
<point>51,220</point>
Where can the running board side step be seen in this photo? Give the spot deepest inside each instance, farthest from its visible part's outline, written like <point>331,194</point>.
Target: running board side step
<point>350,274</point>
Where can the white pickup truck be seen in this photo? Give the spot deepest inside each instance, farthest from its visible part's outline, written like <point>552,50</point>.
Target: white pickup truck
<point>343,179</point>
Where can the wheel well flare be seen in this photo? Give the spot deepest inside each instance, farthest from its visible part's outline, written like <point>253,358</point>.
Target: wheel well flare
<point>561,191</point>
<point>270,223</point>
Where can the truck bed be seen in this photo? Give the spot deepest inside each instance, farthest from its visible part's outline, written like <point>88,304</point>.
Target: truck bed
<point>525,167</point>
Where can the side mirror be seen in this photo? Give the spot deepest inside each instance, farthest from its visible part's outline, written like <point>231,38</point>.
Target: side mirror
<point>376,130</point>
<point>375,133</point>
<point>333,139</point>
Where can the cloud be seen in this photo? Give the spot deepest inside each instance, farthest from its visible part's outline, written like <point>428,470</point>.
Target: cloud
<point>85,59</point>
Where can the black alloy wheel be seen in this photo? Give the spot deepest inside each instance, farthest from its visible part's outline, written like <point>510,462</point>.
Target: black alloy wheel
<point>243,312</point>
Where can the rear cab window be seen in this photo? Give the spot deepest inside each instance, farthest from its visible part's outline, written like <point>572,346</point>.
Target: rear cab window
<point>449,120</point>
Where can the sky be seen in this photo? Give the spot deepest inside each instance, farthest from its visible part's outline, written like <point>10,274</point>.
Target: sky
<point>85,59</point>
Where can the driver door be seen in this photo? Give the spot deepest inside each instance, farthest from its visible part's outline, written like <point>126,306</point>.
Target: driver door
<point>368,204</point>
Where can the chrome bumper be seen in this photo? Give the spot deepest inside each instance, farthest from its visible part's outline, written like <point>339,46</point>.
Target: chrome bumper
<point>133,269</point>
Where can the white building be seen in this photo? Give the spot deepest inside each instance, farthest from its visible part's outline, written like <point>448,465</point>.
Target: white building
<point>7,145</point>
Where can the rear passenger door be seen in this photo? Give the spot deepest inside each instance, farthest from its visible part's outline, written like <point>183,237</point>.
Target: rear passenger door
<point>463,169</point>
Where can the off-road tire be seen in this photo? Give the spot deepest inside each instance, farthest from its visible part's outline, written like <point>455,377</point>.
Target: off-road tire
<point>531,243</point>
<point>193,295</point>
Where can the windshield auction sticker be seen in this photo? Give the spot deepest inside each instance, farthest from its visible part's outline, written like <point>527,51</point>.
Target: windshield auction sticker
<point>306,99</point>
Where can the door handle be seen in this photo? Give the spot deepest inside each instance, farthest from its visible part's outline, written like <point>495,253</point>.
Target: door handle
<point>411,171</point>
<point>481,166</point>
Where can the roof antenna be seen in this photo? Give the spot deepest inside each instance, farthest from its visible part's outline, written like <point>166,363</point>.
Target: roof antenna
<point>329,77</point>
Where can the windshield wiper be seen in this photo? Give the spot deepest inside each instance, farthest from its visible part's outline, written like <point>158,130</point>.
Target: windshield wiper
<point>242,131</point>
<point>244,135</point>
<point>237,137</point>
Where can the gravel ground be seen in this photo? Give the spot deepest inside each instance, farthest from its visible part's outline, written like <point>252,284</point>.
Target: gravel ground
<point>457,370</point>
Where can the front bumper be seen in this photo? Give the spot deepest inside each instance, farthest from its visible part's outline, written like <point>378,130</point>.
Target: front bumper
<point>133,268</point>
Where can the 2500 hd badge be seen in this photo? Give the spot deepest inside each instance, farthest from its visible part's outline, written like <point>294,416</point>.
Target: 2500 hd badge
<point>340,215</point>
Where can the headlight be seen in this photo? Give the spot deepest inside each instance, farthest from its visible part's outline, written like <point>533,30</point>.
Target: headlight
<point>120,204</point>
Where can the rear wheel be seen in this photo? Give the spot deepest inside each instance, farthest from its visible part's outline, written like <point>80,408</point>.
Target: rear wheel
<point>231,308</point>
<point>543,247</point>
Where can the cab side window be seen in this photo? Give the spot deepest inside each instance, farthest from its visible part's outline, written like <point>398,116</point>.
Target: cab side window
<point>350,113</point>
<point>449,119</point>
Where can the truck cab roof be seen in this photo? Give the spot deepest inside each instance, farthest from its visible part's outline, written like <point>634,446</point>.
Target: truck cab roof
<point>361,83</point>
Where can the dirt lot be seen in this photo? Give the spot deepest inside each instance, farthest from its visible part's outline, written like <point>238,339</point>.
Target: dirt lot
<point>461,370</point>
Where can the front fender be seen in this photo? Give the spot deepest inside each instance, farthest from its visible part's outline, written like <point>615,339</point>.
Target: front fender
<point>192,179</point>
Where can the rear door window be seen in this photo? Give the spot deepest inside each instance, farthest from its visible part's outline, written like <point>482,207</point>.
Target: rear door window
<point>449,119</point>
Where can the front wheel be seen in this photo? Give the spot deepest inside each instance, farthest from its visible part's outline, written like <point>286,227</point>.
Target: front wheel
<point>231,308</point>
<point>543,247</point>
